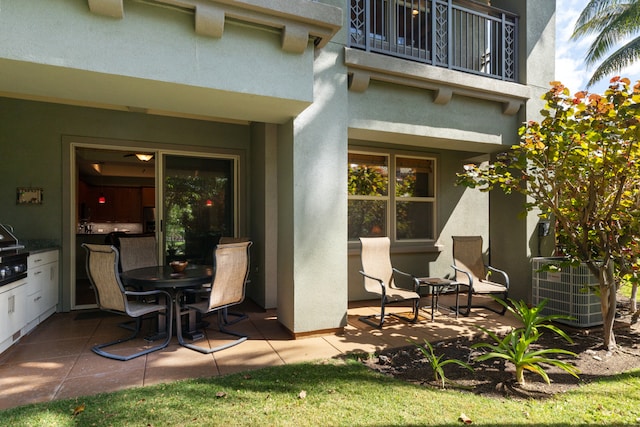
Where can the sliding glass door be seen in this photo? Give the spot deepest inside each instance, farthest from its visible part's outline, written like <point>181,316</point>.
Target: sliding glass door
<point>199,196</point>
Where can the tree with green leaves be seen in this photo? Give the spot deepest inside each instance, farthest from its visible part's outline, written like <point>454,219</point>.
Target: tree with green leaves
<point>615,23</point>
<point>581,166</point>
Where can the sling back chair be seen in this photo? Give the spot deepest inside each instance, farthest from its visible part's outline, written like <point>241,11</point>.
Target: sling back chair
<point>472,272</point>
<point>230,273</point>
<point>237,316</point>
<point>111,296</point>
<point>379,279</point>
<point>138,252</point>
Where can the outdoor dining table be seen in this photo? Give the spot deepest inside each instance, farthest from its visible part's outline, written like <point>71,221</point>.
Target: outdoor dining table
<point>163,277</point>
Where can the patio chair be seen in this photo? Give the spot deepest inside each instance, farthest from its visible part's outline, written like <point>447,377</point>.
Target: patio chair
<point>230,273</point>
<point>138,252</point>
<point>237,316</point>
<point>224,240</point>
<point>472,272</point>
<point>379,279</point>
<point>111,296</point>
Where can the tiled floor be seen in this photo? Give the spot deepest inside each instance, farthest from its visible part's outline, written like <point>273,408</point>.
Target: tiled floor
<point>55,360</point>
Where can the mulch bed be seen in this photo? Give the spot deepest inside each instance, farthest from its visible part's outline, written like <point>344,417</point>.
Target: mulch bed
<point>496,378</point>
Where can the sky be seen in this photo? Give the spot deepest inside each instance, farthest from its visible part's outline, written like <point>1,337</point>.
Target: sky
<point>571,69</point>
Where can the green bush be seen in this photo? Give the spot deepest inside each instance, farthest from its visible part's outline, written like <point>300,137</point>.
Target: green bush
<point>515,346</point>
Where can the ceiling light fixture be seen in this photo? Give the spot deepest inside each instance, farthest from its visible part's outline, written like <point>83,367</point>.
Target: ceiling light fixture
<point>143,157</point>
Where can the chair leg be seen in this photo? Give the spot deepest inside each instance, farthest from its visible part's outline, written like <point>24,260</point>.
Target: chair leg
<point>131,325</point>
<point>238,316</point>
<point>414,310</point>
<point>469,306</point>
<point>99,348</point>
<point>180,311</point>
<point>366,319</point>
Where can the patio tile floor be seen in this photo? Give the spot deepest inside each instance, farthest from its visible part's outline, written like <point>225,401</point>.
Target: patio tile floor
<point>55,360</point>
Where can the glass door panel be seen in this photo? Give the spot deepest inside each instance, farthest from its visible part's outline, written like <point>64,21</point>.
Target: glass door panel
<point>199,201</point>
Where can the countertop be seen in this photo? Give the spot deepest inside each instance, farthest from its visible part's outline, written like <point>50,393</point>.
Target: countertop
<point>34,246</point>
<point>37,251</point>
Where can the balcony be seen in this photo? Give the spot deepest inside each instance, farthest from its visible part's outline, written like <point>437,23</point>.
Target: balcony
<point>461,35</point>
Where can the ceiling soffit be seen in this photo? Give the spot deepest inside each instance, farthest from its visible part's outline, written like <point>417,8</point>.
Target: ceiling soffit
<point>298,20</point>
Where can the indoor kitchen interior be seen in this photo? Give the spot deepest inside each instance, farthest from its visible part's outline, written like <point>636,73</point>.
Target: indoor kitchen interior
<point>115,193</point>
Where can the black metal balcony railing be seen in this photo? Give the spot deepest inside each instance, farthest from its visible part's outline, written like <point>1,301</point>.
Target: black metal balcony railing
<point>461,35</point>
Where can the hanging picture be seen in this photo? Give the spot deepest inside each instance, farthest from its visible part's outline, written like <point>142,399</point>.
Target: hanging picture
<point>29,196</point>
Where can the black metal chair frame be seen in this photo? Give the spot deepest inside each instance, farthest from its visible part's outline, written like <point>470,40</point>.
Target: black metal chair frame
<point>182,307</point>
<point>471,286</point>
<point>384,301</point>
<point>378,247</point>
<point>137,313</point>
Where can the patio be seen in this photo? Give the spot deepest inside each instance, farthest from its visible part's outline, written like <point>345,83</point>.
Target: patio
<point>55,360</point>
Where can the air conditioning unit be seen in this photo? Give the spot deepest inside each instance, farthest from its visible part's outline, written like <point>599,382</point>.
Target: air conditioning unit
<point>568,292</point>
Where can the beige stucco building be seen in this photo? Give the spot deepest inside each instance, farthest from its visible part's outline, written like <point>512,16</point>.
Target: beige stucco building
<point>292,92</point>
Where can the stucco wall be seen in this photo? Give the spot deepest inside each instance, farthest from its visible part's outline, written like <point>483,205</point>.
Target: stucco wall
<point>406,118</point>
<point>312,252</point>
<point>31,135</point>
<point>151,59</point>
<point>514,238</point>
<point>460,211</point>
<point>264,214</point>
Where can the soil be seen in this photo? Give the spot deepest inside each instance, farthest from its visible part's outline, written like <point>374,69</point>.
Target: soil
<point>495,378</point>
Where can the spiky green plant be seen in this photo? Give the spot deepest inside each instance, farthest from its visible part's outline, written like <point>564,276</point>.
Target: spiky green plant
<point>514,347</point>
<point>532,318</point>
<point>438,362</point>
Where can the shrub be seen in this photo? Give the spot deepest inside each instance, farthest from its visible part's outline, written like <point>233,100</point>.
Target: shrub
<point>514,347</point>
<point>437,362</point>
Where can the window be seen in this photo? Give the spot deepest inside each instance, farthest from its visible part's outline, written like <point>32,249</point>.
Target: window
<point>398,26</point>
<point>199,205</point>
<point>402,208</point>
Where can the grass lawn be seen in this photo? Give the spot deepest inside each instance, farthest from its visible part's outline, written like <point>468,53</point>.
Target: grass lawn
<point>330,394</point>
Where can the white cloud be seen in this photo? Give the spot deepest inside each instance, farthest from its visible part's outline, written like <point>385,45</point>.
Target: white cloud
<point>571,68</point>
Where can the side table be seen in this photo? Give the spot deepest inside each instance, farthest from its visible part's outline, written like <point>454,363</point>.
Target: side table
<point>438,286</point>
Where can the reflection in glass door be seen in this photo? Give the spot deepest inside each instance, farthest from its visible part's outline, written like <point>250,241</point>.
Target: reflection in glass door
<point>199,201</point>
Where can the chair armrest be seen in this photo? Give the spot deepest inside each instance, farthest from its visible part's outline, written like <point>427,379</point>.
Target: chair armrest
<point>469,277</point>
<point>382,285</point>
<point>416,284</point>
<point>504,274</point>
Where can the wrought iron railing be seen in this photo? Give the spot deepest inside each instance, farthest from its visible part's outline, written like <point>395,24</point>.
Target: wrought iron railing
<point>461,35</point>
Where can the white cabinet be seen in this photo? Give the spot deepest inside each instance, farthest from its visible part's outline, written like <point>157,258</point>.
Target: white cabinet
<point>27,302</point>
<point>42,287</point>
<point>12,311</point>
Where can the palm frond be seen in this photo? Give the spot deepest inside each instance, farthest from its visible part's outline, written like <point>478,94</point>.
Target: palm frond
<point>614,22</point>
<point>596,22</point>
<point>621,58</point>
<point>614,27</point>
